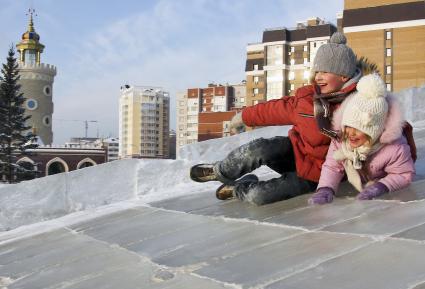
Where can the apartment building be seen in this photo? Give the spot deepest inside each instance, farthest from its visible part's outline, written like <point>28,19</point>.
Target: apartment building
<point>390,33</point>
<point>144,122</point>
<point>281,62</point>
<point>205,113</point>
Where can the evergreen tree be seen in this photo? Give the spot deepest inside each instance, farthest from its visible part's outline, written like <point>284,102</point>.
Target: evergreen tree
<point>15,138</point>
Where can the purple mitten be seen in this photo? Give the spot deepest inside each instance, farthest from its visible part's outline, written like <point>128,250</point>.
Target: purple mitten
<point>322,196</point>
<point>373,191</point>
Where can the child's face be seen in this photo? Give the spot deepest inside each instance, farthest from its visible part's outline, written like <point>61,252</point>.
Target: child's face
<point>355,137</point>
<point>329,82</point>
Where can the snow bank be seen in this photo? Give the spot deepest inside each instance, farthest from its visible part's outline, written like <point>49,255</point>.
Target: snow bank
<point>412,101</point>
<point>144,181</point>
<point>54,196</point>
<point>217,149</point>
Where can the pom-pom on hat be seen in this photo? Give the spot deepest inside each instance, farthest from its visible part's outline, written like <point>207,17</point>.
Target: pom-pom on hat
<point>368,108</point>
<point>335,57</point>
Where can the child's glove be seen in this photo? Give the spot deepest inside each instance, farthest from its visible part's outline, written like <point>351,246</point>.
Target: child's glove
<point>322,196</point>
<point>236,124</point>
<point>373,191</point>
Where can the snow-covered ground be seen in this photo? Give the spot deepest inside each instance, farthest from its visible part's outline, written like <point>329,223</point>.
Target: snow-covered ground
<point>143,181</point>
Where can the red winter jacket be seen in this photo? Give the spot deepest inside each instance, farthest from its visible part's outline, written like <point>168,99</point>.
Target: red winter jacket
<point>310,146</point>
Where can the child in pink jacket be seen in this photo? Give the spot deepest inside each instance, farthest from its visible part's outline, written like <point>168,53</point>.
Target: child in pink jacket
<point>371,150</point>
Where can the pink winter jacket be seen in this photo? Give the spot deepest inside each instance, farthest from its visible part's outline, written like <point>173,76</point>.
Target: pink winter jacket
<point>392,165</point>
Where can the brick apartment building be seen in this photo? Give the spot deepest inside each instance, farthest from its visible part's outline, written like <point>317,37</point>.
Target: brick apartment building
<point>281,62</point>
<point>390,33</point>
<point>205,113</point>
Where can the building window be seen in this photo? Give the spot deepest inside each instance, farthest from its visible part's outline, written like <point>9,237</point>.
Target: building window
<point>292,86</point>
<point>255,91</point>
<point>292,61</point>
<point>242,99</point>
<point>388,52</point>
<point>255,66</point>
<point>291,75</point>
<point>388,69</point>
<point>256,79</point>
<point>31,104</point>
<point>274,55</point>
<point>389,86</point>
<point>305,60</point>
<point>305,48</point>
<point>46,121</point>
<point>292,49</point>
<point>388,35</point>
<point>47,90</point>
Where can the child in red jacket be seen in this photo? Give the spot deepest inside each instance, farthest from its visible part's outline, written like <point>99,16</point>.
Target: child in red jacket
<point>298,157</point>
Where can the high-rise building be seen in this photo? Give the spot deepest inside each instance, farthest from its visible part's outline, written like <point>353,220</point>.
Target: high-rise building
<point>281,62</point>
<point>391,34</point>
<point>36,80</point>
<point>144,122</point>
<point>205,113</point>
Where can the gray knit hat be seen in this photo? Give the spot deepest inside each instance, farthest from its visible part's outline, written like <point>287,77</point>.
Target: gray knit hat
<point>335,57</point>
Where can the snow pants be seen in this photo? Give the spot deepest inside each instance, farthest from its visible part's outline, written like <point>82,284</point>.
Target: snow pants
<point>276,153</point>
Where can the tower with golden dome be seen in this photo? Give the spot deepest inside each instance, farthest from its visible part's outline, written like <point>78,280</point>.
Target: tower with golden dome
<point>36,80</point>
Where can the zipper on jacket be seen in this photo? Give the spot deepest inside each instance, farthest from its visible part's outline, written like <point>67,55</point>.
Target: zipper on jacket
<point>306,115</point>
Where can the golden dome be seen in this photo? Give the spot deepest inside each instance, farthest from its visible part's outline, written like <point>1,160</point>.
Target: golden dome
<point>30,34</point>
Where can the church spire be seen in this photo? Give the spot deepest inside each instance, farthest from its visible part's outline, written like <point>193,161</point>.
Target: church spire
<point>30,48</point>
<point>31,22</point>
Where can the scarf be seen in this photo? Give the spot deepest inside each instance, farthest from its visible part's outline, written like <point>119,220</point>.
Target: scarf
<point>353,160</point>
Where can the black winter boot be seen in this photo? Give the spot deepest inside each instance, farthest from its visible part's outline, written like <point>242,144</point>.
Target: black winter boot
<point>203,173</point>
<point>225,192</point>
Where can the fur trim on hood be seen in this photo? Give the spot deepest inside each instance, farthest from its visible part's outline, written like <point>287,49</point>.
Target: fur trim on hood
<point>393,124</point>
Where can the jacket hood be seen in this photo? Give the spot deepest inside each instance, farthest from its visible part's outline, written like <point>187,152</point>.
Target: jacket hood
<point>394,122</point>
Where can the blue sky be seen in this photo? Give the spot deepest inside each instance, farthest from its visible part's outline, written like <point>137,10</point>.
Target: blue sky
<point>98,46</point>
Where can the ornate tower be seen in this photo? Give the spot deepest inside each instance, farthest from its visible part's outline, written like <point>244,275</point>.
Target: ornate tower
<point>36,83</point>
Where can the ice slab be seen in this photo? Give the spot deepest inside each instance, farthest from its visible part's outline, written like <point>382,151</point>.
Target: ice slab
<point>276,260</point>
<point>416,191</point>
<point>61,259</point>
<point>149,224</point>
<point>340,210</point>
<point>415,233</point>
<point>213,246</point>
<point>388,221</point>
<point>391,264</point>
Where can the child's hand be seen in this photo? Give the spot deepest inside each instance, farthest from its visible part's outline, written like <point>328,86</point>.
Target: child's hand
<point>373,191</point>
<point>322,196</point>
<point>236,124</point>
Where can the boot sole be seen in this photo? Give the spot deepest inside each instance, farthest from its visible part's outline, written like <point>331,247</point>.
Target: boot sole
<point>223,196</point>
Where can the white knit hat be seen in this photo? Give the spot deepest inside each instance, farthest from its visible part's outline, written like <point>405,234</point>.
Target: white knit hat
<point>368,108</point>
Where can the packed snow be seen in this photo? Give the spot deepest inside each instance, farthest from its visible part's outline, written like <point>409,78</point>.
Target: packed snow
<point>125,183</point>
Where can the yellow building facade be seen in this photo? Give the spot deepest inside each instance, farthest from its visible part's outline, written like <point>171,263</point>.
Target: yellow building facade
<point>391,34</point>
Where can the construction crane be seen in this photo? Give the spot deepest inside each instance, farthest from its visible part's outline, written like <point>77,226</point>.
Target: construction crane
<point>86,123</point>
